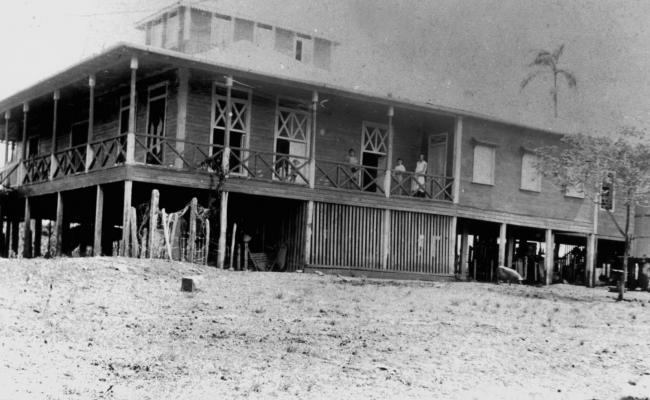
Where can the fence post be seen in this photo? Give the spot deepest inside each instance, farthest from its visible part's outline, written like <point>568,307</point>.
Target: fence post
<point>153,219</point>
<point>192,240</point>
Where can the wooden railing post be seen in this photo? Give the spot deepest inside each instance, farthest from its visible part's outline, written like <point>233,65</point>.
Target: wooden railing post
<point>312,144</point>
<point>91,119</point>
<point>181,116</point>
<point>7,117</point>
<point>225,158</point>
<point>130,136</point>
<point>53,163</point>
<point>389,155</point>
<point>458,145</point>
<point>23,146</point>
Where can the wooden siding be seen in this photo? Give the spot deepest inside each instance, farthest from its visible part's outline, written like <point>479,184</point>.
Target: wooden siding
<point>346,236</point>
<point>506,194</point>
<point>420,243</point>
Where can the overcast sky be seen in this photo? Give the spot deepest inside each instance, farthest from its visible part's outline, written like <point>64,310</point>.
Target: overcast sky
<point>469,54</point>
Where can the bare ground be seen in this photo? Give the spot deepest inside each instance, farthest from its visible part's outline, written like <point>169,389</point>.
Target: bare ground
<point>121,329</point>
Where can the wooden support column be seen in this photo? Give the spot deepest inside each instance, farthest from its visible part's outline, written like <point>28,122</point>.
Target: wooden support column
<point>91,121</point>
<point>55,112</point>
<point>502,244</point>
<point>7,238</point>
<point>549,252</point>
<point>223,226</point>
<point>453,235</point>
<point>312,141</point>
<point>458,146</point>
<point>181,116</point>
<point>309,226</point>
<point>510,252</point>
<point>153,220</point>
<point>15,228</point>
<point>130,137</point>
<point>591,258</point>
<point>385,239</point>
<point>99,221</point>
<point>464,253</point>
<point>126,210</point>
<point>23,145</point>
<point>7,117</point>
<point>225,159</point>
<point>58,236</point>
<point>389,154</point>
<point>38,234</point>
<point>27,230</point>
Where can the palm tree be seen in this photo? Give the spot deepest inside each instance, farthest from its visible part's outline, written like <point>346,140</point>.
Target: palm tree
<point>548,62</point>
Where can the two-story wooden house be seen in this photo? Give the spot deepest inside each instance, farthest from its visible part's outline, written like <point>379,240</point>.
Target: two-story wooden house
<point>309,164</point>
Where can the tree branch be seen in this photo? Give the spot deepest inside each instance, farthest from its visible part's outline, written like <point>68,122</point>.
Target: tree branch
<point>620,230</point>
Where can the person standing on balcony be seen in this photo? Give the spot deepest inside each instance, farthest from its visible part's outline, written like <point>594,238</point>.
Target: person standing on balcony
<point>399,172</point>
<point>419,179</point>
<point>353,163</point>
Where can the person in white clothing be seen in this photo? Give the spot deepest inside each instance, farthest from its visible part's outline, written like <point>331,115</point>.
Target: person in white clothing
<point>418,185</point>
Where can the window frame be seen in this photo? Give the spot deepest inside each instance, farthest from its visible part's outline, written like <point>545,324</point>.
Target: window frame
<point>538,188</point>
<point>493,148</point>
<point>613,196</point>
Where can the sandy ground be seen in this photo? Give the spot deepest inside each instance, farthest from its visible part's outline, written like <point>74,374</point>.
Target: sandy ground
<point>122,329</point>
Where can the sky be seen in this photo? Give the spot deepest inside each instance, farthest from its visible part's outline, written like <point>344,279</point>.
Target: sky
<point>467,54</point>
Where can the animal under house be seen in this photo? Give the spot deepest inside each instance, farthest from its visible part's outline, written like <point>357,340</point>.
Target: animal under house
<point>157,150</point>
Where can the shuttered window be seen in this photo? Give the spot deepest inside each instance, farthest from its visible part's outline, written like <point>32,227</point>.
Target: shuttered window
<point>483,164</point>
<point>531,179</point>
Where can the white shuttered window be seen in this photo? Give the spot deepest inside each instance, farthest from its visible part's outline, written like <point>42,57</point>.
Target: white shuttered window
<point>483,164</point>
<point>531,179</point>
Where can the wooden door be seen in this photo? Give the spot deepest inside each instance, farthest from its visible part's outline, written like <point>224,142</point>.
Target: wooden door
<point>437,152</point>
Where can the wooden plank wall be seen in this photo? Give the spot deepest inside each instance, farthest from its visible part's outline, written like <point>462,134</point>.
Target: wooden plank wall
<point>346,236</point>
<point>419,243</point>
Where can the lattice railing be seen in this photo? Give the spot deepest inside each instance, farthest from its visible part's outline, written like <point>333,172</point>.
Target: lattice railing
<point>108,152</point>
<point>37,169</point>
<point>174,153</point>
<point>405,183</point>
<point>9,175</point>
<point>347,176</point>
<point>269,166</point>
<point>70,161</point>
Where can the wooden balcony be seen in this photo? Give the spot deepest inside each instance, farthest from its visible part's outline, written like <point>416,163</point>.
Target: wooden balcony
<point>244,165</point>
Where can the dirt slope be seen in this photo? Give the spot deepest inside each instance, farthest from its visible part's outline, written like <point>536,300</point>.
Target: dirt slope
<point>121,329</point>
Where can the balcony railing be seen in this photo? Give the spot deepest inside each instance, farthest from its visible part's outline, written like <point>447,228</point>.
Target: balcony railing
<point>37,169</point>
<point>405,183</point>
<point>269,166</point>
<point>70,161</point>
<point>107,153</point>
<point>244,163</point>
<point>355,177</point>
<point>9,175</point>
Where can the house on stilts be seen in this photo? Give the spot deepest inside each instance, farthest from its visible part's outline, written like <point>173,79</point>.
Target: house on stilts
<point>86,145</point>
